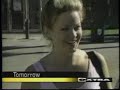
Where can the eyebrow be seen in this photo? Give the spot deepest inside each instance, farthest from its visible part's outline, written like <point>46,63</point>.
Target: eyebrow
<point>77,24</point>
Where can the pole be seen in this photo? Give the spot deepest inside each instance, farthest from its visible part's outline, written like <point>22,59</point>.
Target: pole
<point>9,17</point>
<point>26,22</point>
<point>40,15</point>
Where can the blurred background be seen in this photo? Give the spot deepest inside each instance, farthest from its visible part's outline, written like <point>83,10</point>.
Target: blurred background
<point>24,44</point>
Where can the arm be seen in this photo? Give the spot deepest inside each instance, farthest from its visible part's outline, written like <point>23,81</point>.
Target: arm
<point>30,85</point>
<point>104,70</point>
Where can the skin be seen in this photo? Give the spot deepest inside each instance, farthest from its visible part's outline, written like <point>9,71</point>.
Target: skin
<point>66,37</point>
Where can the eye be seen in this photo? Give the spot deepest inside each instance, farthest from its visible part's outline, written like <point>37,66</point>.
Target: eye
<point>77,27</point>
<point>65,29</point>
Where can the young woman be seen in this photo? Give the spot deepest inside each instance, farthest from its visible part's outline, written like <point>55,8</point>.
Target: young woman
<point>62,25</point>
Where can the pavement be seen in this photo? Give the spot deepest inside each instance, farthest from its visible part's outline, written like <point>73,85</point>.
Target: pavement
<point>18,53</point>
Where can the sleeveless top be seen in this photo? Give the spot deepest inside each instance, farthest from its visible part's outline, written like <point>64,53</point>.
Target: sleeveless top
<point>87,85</point>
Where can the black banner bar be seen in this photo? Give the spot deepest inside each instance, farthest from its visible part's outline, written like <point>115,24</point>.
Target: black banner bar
<point>43,74</point>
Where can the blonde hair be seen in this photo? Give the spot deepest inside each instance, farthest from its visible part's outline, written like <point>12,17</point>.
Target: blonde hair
<point>54,8</point>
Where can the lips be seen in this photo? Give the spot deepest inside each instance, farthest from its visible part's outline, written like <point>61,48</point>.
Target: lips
<point>72,43</point>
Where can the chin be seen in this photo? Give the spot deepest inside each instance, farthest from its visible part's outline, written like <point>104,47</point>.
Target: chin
<point>72,49</point>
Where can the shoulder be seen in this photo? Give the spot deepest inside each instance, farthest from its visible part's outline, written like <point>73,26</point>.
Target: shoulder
<point>93,55</point>
<point>101,66</point>
<point>80,58</point>
<point>81,52</point>
<point>103,63</point>
<point>32,85</point>
<point>35,67</point>
<point>99,55</point>
<point>100,58</point>
<point>81,55</point>
<point>30,68</point>
<point>99,62</point>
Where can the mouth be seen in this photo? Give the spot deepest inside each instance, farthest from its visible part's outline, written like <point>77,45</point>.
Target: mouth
<point>72,43</point>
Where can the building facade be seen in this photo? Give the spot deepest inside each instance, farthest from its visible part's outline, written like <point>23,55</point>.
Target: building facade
<point>99,13</point>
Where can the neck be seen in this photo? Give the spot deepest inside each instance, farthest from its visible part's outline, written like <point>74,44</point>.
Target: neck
<point>61,57</point>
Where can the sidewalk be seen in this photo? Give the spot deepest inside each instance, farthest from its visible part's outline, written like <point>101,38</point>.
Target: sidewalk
<point>20,40</point>
<point>19,53</point>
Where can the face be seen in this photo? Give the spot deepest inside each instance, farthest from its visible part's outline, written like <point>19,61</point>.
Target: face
<point>67,32</point>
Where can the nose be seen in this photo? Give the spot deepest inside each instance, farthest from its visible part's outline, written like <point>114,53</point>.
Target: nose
<point>73,34</point>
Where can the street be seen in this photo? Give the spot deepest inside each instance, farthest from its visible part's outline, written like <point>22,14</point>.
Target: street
<point>19,53</point>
